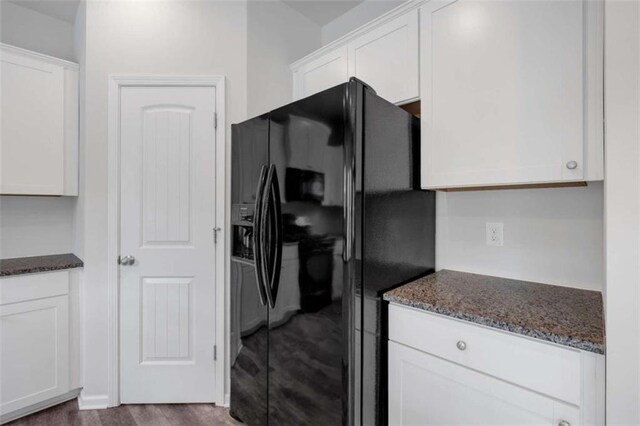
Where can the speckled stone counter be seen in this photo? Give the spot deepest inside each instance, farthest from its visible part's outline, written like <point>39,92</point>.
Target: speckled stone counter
<point>28,265</point>
<point>563,315</point>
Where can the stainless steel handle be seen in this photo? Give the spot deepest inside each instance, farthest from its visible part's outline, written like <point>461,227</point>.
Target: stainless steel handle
<point>461,345</point>
<point>257,236</point>
<point>127,260</point>
<point>572,165</point>
<point>564,423</point>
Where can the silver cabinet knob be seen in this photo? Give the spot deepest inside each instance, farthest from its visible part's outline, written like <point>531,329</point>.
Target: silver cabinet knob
<point>564,423</point>
<point>572,165</point>
<point>461,345</point>
<point>127,260</point>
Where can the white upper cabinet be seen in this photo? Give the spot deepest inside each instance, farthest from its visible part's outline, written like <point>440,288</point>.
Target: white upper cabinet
<point>386,58</point>
<point>39,133</point>
<point>323,72</point>
<point>511,92</point>
<point>384,54</point>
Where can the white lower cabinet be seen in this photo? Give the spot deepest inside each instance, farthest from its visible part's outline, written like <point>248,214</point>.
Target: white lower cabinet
<point>444,371</point>
<point>38,342</point>
<point>427,390</point>
<point>34,359</point>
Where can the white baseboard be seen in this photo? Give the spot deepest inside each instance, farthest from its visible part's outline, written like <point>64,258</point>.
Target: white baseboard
<point>7,417</point>
<point>92,402</point>
<point>227,400</point>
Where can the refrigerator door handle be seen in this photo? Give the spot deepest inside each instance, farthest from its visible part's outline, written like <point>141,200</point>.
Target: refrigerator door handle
<point>258,230</point>
<point>270,216</point>
<point>276,211</point>
<point>265,255</point>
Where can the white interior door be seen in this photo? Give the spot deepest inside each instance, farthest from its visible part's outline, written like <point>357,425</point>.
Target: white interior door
<point>167,196</point>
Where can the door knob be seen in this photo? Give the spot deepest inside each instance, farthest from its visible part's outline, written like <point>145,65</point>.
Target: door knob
<point>127,260</point>
<point>572,165</point>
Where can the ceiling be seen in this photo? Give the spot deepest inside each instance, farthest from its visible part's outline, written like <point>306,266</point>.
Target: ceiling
<point>61,9</point>
<point>319,11</point>
<point>322,11</point>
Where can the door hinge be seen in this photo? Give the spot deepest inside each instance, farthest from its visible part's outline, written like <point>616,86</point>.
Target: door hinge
<point>215,120</point>
<point>215,234</point>
<point>215,353</point>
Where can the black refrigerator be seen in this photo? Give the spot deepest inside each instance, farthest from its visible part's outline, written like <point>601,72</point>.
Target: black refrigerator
<point>327,215</point>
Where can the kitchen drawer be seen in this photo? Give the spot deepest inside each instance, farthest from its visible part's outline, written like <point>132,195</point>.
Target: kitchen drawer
<point>546,368</point>
<point>19,288</point>
<point>427,390</point>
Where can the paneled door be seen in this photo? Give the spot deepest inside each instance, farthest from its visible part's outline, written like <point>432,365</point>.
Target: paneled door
<point>386,58</point>
<point>322,73</point>
<point>32,125</point>
<point>167,220</point>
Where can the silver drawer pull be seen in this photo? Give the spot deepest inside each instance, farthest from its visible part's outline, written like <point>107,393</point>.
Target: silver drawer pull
<point>571,165</point>
<point>462,346</point>
<point>564,423</point>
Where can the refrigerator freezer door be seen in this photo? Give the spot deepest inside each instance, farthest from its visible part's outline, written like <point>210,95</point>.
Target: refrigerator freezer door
<point>249,312</point>
<point>306,328</point>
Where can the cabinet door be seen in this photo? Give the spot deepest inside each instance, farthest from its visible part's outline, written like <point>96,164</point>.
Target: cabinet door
<point>34,352</point>
<point>504,91</point>
<point>426,390</point>
<point>322,73</point>
<point>32,159</point>
<point>386,58</point>
<point>71,131</point>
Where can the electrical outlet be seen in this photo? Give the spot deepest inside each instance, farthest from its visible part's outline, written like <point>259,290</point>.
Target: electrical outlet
<point>495,235</point>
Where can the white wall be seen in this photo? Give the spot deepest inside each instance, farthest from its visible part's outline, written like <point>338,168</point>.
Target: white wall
<point>79,47</point>
<point>32,226</point>
<point>622,201</point>
<point>356,17</point>
<point>32,30</point>
<point>554,236</point>
<point>277,36</point>
<point>142,38</point>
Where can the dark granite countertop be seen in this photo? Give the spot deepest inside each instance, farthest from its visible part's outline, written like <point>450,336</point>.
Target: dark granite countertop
<point>28,265</point>
<point>562,315</point>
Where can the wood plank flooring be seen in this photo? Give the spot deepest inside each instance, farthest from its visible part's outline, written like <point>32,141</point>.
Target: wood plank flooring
<point>131,415</point>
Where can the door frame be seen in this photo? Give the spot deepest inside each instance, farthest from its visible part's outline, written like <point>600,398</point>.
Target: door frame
<point>222,161</point>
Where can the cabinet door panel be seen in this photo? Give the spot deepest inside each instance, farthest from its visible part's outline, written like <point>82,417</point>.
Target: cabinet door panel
<point>386,58</point>
<point>503,92</point>
<point>426,390</point>
<point>327,71</point>
<point>34,352</point>
<point>32,157</point>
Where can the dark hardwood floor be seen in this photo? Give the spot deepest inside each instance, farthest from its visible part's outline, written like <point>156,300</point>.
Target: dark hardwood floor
<point>125,415</point>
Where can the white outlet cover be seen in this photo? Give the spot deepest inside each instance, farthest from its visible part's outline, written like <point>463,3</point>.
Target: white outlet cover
<point>495,234</point>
